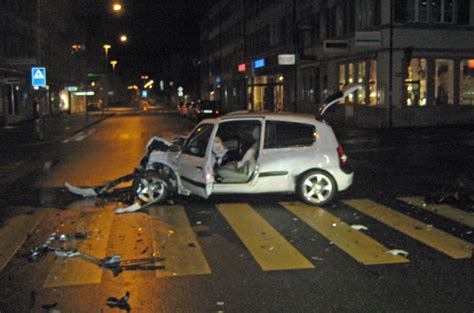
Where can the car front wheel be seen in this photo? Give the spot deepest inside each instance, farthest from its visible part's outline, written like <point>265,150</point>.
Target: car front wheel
<point>151,187</point>
<point>316,188</point>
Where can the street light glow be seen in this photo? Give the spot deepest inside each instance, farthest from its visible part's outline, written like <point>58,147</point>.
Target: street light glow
<point>123,38</point>
<point>114,63</point>
<point>117,7</point>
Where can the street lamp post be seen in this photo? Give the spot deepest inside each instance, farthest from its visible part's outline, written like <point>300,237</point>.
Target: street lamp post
<point>106,49</point>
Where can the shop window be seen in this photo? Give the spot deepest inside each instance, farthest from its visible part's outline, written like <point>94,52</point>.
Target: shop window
<point>350,80</point>
<point>444,82</point>
<point>466,82</point>
<point>342,79</point>
<point>342,76</point>
<point>361,79</point>
<point>416,83</point>
<point>373,99</point>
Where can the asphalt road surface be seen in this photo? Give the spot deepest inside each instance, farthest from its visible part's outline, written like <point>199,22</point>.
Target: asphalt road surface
<point>378,248</point>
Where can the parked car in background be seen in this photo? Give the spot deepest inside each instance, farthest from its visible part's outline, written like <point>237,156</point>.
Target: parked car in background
<point>205,109</point>
<point>94,105</point>
<point>182,108</point>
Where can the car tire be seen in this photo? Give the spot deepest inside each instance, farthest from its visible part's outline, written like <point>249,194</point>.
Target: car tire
<point>316,187</point>
<point>151,187</point>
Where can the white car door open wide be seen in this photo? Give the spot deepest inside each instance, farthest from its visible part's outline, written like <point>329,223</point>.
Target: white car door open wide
<point>194,166</point>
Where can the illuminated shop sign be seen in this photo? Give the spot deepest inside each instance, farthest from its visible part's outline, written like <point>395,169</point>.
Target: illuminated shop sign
<point>259,63</point>
<point>218,79</point>
<point>242,67</point>
<point>286,59</point>
<point>470,64</point>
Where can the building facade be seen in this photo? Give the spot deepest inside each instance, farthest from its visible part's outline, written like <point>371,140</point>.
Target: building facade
<point>35,33</point>
<point>414,58</point>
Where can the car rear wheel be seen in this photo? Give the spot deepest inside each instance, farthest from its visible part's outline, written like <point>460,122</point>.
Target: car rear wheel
<point>316,188</point>
<point>151,187</point>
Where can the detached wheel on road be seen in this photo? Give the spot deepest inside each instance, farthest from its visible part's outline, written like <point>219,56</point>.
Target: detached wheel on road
<point>316,188</point>
<point>151,187</point>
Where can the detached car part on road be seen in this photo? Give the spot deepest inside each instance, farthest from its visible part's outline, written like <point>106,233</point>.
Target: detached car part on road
<point>247,153</point>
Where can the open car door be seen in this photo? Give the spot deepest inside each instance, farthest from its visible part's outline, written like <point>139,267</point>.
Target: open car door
<point>194,166</point>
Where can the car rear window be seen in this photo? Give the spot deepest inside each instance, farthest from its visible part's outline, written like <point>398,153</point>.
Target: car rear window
<point>210,105</point>
<point>288,134</point>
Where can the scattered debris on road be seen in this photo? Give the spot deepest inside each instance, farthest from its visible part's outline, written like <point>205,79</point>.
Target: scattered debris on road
<point>359,227</point>
<point>397,252</point>
<point>113,263</point>
<point>459,193</point>
<point>121,303</point>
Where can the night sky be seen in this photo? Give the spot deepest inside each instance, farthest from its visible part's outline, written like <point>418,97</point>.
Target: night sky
<point>156,29</point>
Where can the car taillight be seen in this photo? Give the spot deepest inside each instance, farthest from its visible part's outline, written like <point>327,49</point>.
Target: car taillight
<point>217,111</point>
<point>343,160</point>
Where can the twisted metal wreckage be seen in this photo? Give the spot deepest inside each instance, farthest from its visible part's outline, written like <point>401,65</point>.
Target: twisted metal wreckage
<point>147,181</point>
<point>113,263</point>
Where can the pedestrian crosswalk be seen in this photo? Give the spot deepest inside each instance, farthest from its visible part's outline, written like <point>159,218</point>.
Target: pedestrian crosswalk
<point>173,237</point>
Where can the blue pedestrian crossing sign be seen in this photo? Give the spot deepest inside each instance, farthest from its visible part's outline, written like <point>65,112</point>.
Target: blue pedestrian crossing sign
<point>38,76</point>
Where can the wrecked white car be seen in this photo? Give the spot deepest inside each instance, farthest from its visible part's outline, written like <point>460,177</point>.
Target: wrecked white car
<point>248,153</point>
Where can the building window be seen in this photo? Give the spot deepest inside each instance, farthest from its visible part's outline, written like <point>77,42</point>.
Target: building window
<point>444,81</point>
<point>416,83</point>
<point>463,12</point>
<point>466,82</point>
<point>361,79</point>
<point>435,11</point>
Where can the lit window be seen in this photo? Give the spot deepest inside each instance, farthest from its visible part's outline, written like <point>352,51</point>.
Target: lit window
<point>466,82</point>
<point>416,83</point>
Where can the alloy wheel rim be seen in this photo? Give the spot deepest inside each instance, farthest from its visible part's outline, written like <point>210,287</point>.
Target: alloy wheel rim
<point>150,190</point>
<point>317,188</point>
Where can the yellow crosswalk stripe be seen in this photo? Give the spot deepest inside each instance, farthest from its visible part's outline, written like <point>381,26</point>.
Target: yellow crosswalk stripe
<point>445,210</point>
<point>355,243</point>
<point>77,271</point>
<point>14,234</point>
<point>435,238</point>
<point>174,240</point>
<point>267,246</point>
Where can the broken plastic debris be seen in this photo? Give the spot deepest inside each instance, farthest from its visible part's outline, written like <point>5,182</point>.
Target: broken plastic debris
<point>397,252</point>
<point>85,192</point>
<point>334,224</point>
<point>121,303</point>
<point>220,303</point>
<point>316,258</point>
<point>359,227</point>
<point>198,222</point>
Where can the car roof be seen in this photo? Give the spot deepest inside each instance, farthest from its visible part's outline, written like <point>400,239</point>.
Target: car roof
<point>277,116</point>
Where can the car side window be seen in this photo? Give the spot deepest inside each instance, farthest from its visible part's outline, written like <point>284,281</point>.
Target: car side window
<point>288,134</point>
<point>197,143</point>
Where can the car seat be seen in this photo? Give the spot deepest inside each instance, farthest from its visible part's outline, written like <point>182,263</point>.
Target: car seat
<point>241,171</point>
